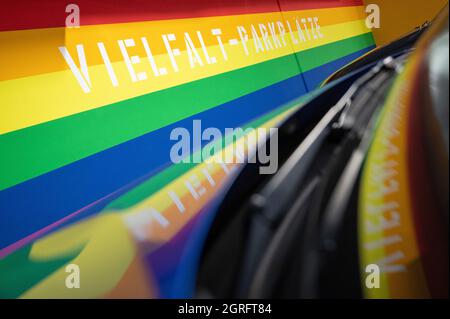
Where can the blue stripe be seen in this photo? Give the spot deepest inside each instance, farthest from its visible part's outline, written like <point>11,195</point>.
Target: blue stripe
<point>315,77</point>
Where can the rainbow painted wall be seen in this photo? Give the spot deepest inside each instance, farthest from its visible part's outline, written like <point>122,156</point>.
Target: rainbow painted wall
<point>86,114</point>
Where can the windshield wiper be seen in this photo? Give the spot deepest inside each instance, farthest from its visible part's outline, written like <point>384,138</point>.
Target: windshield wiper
<point>268,206</point>
<point>324,239</point>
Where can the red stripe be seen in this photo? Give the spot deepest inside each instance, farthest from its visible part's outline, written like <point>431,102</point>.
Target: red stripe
<point>32,14</point>
<point>291,5</point>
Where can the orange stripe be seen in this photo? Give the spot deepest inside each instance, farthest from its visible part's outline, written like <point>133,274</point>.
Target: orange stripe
<point>31,52</point>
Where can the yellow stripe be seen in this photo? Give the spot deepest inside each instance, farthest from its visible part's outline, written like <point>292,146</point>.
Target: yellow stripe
<point>390,147</point>
<point>367,256</point>
<point>41,98</point>
<point>30,52</point>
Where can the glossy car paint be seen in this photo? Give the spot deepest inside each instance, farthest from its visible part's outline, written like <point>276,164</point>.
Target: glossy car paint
<point>71,151</point>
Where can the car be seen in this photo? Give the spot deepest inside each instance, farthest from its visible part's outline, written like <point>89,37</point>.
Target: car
<point>88,111</point>
<point>153,229</point>
<point>357,210</point>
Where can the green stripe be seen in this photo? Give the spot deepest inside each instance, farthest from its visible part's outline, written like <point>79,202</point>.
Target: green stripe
<point>39,149</point>
<point>313,58</point>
